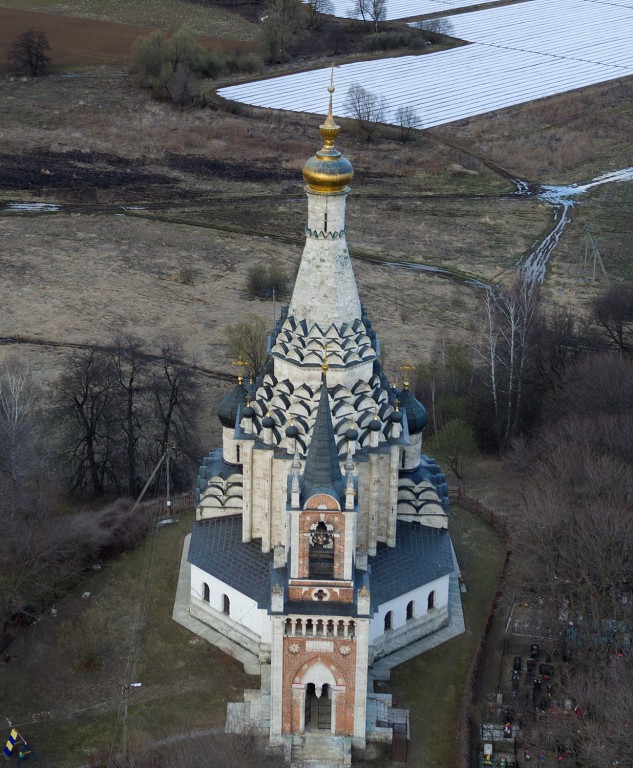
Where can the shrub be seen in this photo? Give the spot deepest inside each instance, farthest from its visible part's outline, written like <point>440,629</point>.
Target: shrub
<point>171,65</point>
<point>249,63</point>
<point>263,279</point>
<point>393,40</point>
<point>212,64</point>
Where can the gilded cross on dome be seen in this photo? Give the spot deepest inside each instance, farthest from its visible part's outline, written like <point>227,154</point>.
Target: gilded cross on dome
<point>239,363</point>
<point>406,368</point>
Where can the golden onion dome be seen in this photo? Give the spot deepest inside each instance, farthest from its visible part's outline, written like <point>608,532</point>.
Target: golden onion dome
<point>328,171</point>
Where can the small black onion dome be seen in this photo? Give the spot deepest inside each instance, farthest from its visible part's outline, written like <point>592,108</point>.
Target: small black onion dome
<point>375,424</point>
<point>396,416</point>
<point>352,433</point>
<point>268,422</point>
<point>248,412</point>
<point>227,411</point>
<point>416,412</point>
<point>292,431</point>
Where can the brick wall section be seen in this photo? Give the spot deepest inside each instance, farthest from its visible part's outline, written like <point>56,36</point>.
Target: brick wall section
<point>297,663</point>
<point>341,593</point>
<point>335,519</point>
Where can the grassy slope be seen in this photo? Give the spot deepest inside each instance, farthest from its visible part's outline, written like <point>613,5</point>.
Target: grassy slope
<point>186,682</point>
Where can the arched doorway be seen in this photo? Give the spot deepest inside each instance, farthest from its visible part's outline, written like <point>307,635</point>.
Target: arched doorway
<point>319,703</point>
<point>318,708</point>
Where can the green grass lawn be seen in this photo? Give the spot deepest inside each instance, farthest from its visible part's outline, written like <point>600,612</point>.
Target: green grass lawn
<point>432,685</point>
<point>73,666</point>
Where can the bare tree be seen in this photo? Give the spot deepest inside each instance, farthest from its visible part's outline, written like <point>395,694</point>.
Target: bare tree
<point>367,108</point>
<point>370,11</point>
<point>407,120</point>
<point>131,386</point>
<point>29,53</point>
<point>175,394</point>
<point>317,9</point>
<point>20,433</point>
<point>85,411</point>
<point>280,25</point>
<point>441,26</point>
<point>510,320</point>
<point>613,313</point>
<point>249,339</point>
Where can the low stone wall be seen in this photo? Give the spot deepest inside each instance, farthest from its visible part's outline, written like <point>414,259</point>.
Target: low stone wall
<point>226,626</point>
<point>414,629</point>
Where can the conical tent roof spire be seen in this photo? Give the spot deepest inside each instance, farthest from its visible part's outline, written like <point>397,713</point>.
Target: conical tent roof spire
<point>322,473</point>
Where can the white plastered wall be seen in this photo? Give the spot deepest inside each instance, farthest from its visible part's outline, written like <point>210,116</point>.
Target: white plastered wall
<point>398,606</point>
<point>243,609</point>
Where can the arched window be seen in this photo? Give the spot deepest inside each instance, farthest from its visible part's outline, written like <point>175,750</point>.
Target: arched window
<point>226,605</point>
<point>410,610</point>
<point>238,453</point>
<point>388,621</point>
<point>404,458</point>
<point>431,601</point>
<point>322,551</point>
<point>206,593</point>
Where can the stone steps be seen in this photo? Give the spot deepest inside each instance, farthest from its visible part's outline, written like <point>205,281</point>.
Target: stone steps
<point>312,750</point>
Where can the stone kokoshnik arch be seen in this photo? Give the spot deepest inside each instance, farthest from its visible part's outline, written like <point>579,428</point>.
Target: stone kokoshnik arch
<point>319,520</point>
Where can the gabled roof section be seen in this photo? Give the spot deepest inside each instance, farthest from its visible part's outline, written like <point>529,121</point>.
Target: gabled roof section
<point>322,473</point>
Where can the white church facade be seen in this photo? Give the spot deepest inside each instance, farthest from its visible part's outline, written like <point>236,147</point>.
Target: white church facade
<point>321,539</point>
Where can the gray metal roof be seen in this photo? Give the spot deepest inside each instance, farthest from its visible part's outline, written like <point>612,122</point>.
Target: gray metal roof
<point>217,548</point>
<point>422,554</point>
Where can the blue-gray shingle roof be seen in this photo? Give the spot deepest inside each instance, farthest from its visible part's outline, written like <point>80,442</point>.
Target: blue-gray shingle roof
<point>217,548</point>
<point>422,554</point>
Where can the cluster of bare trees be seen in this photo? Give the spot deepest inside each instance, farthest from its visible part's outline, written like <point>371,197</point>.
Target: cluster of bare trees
<point>281,23</point>
<point>101,428</point>
<point>119,410</point>
<point>495,391</point>
<point>370,11</point>
<point>573,542</point>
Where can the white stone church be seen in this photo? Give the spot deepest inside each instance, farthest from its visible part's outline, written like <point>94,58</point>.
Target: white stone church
<point>321,544</point>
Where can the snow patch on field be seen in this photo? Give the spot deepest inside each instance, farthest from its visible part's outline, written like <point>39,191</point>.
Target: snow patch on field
<point>31,207</point>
